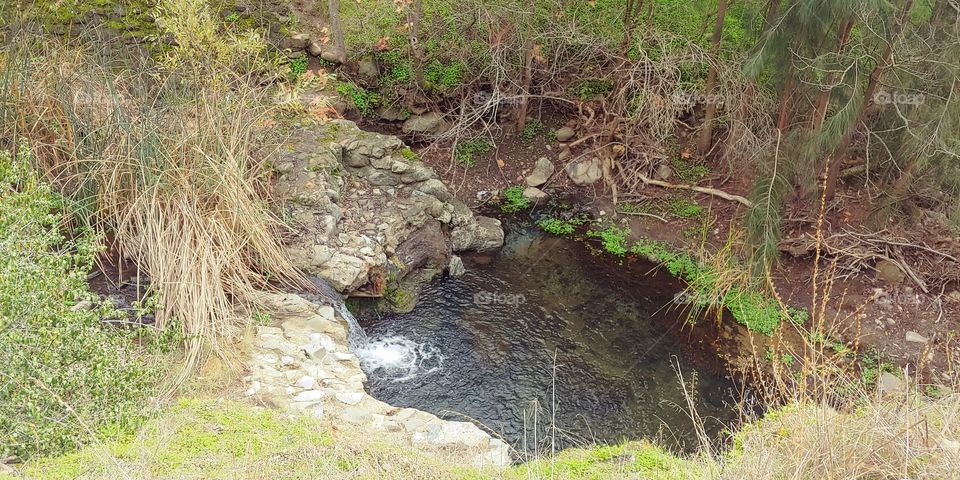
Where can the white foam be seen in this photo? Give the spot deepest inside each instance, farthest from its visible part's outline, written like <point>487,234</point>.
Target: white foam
<point>398,358</point>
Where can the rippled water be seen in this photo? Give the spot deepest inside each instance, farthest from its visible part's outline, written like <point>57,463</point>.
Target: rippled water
<point>541,334</point>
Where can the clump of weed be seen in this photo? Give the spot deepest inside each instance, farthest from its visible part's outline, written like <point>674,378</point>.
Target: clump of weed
<point>362,98</point>
<point>588,89</point>
<point>560,226</point>
<point>513,200</point>
<point>467,152</point>
<point>298,66</point>
<point>688,172</point>
<point>685,208</point>
<point>612,238</point>
<point>532,128</point>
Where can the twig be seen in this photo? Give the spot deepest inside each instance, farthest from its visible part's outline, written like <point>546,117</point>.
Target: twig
<point>706,190</point>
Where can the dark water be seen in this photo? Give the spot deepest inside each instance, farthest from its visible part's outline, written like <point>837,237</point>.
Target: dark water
<point>543,332</point>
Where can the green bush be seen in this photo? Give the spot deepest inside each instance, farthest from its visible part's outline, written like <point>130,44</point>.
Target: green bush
<point>64,376</point>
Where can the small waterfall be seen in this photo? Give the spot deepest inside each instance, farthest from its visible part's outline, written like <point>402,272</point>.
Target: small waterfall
<point>395,357</point>
<point>356,337</point>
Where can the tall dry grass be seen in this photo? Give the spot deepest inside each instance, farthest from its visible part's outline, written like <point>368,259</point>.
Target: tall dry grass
<point>166,158</point>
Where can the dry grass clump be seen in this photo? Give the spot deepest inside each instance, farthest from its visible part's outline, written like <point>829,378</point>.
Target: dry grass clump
<point>906,436</point>
<point>164,158</point>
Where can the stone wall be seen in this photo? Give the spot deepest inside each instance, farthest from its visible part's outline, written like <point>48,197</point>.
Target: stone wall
<point>302,364</point>
<point>367,213</point>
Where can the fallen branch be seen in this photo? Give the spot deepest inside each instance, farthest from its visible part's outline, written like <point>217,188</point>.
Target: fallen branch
<point>707,190</point>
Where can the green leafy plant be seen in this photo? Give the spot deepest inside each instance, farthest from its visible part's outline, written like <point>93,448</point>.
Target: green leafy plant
<point>685,208</point>
<point>613,239</point>
<point>467,152</point>
<point>588,89</point>
<point>298,66</point>
<point>532,128</point>
<point>513,200</point>
<point>363,99</point>
<point>560,226</point>
<point>439,76</point>
<point>67,377</point>
<point>688,172</point>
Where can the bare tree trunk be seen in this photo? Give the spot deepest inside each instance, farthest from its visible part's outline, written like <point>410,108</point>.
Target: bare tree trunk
<point>336,30</point>
<point>630,12</point>
<point>835,160</point>
<point>650,7</point>
<point>706,133</point>
<point>521,112</point>
<point>414,19</point>
<point>823,100</point>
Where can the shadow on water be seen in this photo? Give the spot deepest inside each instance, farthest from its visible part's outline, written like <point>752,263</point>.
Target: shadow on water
<point>544,329</point>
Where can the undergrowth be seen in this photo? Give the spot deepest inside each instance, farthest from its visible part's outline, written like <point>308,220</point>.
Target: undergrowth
<point>513,200</point>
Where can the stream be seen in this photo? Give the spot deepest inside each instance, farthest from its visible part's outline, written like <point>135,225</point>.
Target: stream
<point>549,346</point>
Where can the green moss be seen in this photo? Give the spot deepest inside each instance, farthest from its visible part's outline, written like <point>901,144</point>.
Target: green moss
<point>409,155</point>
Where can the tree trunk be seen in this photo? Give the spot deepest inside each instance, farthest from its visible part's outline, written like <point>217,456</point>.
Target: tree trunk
<point>823,100</point>
<point>630,12</point>
<point>835,160</point>
<point>706,133</point>
<point>650,7</point>
<point>336,30</point>
<point>521,112</point>
<point>414,19</point>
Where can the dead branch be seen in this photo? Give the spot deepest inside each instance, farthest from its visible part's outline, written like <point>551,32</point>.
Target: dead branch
<point>707,190</point>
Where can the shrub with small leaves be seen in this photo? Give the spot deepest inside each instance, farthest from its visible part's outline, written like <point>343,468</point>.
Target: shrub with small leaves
<point>65,376</point>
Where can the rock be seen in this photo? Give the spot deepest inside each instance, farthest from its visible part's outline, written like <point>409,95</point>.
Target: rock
<point>890,383</point>
<point>330,56</point>
<point>349,398</point>
<point>444,433</point>
<point>888,272</point>
<point>315,49</point>
<point>541,172</point>
<point>564,134</point>
<point>484,234</point>
<point>431,122</point>
<point>664,172</point>
<point>309,396</point>
<point>914,337</point>
<point>455,268</point>
<point>534,193</point>
<point>307,382</point>
<point>584,172</point>
<point>297,41</point>
<point>367,68</point>
<point>564,154</point>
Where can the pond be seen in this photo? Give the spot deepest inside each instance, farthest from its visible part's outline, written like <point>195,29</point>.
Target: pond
<point>546,344</point>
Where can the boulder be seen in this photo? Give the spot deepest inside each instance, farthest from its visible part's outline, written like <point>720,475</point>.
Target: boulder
<point>890,383</point>
<point>541,172</point>
<point>888,272</point>
<point>455,268</point>
<point>368,69</point>
<point>484,234</point>
<point>297,41</point>
<point>431,122</point>
<point>585,172</point>
<point>664,172</point>
<point>564,134</point>
<point>330,56</point>
<point>914,337</point>
<point>534,193</point>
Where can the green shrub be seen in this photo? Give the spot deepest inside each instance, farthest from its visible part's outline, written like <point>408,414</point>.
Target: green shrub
<point>298,66</point>
<point>513,200</point>
<point>64,375</point>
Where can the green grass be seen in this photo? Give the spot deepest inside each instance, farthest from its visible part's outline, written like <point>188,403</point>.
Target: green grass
<point>513,200</point>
